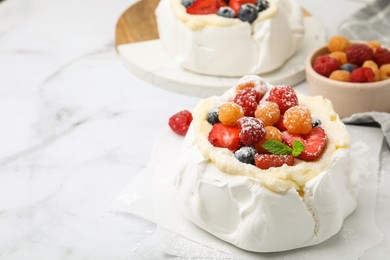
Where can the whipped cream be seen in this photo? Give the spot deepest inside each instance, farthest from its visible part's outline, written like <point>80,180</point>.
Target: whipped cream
<point>267,210</point>
<point>214,45</point>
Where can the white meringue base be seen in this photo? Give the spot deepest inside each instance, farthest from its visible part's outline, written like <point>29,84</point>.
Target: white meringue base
<point>233,50</point>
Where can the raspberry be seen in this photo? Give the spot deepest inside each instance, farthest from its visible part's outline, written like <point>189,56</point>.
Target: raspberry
<point>338,43</point>
<point>359,53</point>
<point>374,45</point>
<point>325,65</point>
<point>252,130</point>
<point>298,120</point>
<point>382,56</point>
<point>252,81</point>
<point>363,75</point>
<point>180,122</point>
<point>268,112</point>
<point>341,75</point>
<point>279,125</point>
<point>271,133</point>
<point>248,99</point>
<point>229,113</point>
<point>384,72</point>
<point>284,96</point>
<point>372,65</point>
<point>340,56</point>
<point>266,161</point>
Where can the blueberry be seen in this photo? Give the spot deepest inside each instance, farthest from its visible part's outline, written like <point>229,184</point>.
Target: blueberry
<point>227,12</point>
<point>316,122</point>
<point>349,67</point>
<point>187,3</point>
<point>262,5</point>
<point>212,117</point>
<point>246,154</point>
<point>247,13</point>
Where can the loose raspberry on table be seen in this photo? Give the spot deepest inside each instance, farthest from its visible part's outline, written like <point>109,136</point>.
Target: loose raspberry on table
<point>341,75</point>
<point>252,130</point>
<point>284,96</point>
<point>248,99</point>
<point>359,53</point>
<point>325,65</point>
<point>362,75</point>
<point>180,122</point>
<point>382,56</point>
<point>338,43</point>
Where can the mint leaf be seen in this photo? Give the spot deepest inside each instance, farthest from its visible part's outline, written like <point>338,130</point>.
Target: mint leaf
<point>277,147</point>
<point>297,148</point>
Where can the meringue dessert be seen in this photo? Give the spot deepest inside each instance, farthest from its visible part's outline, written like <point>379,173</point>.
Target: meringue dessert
<point>230,38</point>
<point>265,168</point>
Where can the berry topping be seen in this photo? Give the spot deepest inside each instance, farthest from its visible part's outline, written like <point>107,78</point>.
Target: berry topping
<point>180,122</point>
<point>384,72</point>
<point>314,142</point>
<point>298,120</point>
<point>229,113</point>
<point>225,136</point>
<point>187,3</point>
<point>252,81</point>
<point>325,65</point>
<point>268,112</point>
<point>382,56</point>
<point>262,5</point>
<point>266,161</point>
<point>341,75</point>
<point>338,43</point>
<point>359,53</point>
<point>252,130</point>
<point>248,99</point>
<point>271,133</point>
<point>348,67</point>
<point>205,6</point>
<point>226,12</point>
<point>247,13</point>
<point>363,75</point>
<point>316,121</point>
<point>284,96</point>
<point>246,154</point>
<point>279,125</point>
<point>236,4</point>
<point>212,117</point>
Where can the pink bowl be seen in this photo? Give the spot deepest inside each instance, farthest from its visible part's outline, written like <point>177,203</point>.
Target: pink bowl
<point>347,98</point>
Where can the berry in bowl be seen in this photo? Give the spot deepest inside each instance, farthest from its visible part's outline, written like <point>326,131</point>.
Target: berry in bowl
<point>355,76</point>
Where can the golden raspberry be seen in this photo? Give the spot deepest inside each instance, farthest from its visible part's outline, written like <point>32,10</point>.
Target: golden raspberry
<point>338,43</point>
<point>271,133</point>
<point>340,56</point>
<point>374,45</point>
<point>341,75</point>
<point>268,112</point>
<point>229,113</point>
<point>372,65</point>
<point>384,72</point>
<point>298,120</point>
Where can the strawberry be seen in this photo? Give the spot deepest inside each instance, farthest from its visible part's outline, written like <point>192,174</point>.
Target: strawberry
<point>315,143</point>
<point>265,161</point>
<point>180,122</point>
<point>236,4</point>
<point>225,136</point>
<point>205,6</point>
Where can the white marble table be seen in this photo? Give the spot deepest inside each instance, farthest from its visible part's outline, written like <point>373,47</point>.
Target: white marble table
<point>77,126</point>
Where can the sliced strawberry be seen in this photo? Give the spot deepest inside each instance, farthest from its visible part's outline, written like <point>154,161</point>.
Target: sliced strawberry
<point>315,143</point>
<point>225,136</point>
<point>265,161</point>
<point>236,4</point>
<point>205,6</point>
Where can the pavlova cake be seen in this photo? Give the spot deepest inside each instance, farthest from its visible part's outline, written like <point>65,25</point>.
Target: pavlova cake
<point>265,168</point>
<point>230,37</point>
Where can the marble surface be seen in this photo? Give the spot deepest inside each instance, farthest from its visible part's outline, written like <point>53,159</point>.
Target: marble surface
<point>77,127</point>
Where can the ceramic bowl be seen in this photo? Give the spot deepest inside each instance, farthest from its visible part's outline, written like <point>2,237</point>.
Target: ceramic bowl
<point>347,98</point>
